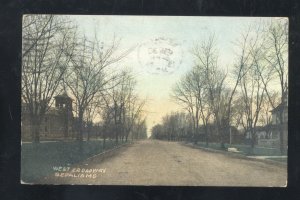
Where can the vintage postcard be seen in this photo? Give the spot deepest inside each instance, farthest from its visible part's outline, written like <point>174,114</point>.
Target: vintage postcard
<point>154,100</point>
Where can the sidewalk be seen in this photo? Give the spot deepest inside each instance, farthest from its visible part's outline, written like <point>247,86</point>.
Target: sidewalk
<point>277,160</point>
<point>273,158</point>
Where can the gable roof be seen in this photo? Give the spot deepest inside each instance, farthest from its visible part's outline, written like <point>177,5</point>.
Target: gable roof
<point>279,108</point>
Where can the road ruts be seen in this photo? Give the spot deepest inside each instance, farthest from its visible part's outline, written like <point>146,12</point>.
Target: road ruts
<point>152,162</point>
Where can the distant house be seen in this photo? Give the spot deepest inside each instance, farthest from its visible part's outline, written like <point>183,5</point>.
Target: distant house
<point>273,130</point>
<point>56,124</point>
<point>269,135</point>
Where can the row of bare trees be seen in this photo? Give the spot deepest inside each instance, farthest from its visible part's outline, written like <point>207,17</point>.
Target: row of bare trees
<point>243,96</point>
<point>57,58</point>
<point>122,113</point>
<point>175,126</point>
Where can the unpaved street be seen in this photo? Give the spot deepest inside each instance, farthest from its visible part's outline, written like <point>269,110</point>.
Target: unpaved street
<point>153,162</point>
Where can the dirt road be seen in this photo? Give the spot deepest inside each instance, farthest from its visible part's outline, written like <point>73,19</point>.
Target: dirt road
<point>153,162</point>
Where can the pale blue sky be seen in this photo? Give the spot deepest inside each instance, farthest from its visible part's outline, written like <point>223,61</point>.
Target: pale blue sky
<point>141,31</point>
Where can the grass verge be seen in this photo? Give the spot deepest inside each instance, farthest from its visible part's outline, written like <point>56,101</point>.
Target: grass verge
<point>38,160</point>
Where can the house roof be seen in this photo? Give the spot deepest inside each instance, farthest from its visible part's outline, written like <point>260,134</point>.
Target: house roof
<point>63,95</point>
<point>279,108</point>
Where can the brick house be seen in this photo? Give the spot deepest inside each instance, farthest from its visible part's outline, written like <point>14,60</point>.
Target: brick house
<point>56,124</point>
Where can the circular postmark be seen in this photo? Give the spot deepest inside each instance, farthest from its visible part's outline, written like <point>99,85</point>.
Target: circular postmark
<point>160,55</point>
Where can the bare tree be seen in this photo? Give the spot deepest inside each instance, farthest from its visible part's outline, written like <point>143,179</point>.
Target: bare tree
<point>263,53</point>
<point>253,92</point>
<point>184,95</point>
<point>157,132</point>
<point>276,55</point>
<point>135,112</point>
<point>125,107</point>
<point>239,71</point>
<point>207,62</point>
<point>115,105</point>
<point>35,29</point>
<point>199,89</point>
<point>202,90</point>
<point>48,43</point>
<point>238,113</point>
<point>107,118</point>
<point>139,129</point>
<point>174,127</point>
<point>88,73</point>
<point>267,63</point>
<point>90,115</point>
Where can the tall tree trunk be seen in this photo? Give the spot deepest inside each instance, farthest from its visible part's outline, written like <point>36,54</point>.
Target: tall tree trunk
<point>206,135</point>
<point>127,136</point>
<point>281,132</point>
<point>221,134</point>
<point>80,132</point>
<point>117,135</point>
<point>35,124</point>
<point>196,132</point>
<point>253,138</point>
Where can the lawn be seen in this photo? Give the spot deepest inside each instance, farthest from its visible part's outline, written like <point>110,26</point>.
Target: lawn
<point>245,149</point>
<point>38,160</point>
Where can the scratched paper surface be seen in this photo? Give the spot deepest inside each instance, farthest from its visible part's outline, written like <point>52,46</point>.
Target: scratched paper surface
<point>154,100</point>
